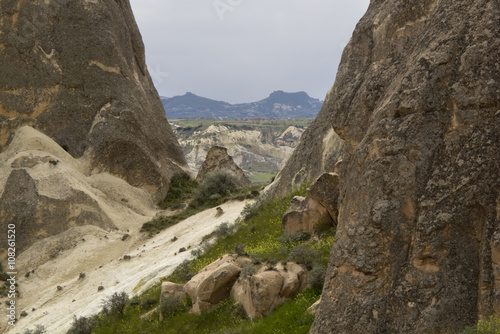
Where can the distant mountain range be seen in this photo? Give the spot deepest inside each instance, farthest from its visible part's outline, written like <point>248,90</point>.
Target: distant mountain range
<point>279,105</point>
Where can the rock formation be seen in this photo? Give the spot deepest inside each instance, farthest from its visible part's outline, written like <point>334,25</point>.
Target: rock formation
<point>218,160</point>
<point>325,190</point>
<point>258,149</point>
<point>259,292</point>
<point>306,215</point>
<point>47,192</point>
<point>317,152</point>
<point>76,71</point>
<point>417,103</point>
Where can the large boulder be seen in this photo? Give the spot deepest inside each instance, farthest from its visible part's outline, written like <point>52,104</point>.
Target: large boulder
<point>325,190</point>
<point>305,215</point>
<point>261,293</point>
<point>417,103</point>
<point>76,71</point>
<point>213,283</point>
<point>218,160</point>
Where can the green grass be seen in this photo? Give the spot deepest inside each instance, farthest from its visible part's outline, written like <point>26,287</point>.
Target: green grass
<point>289,318</point>
<point>261,177</point>
<point>491,326</point>
<point>180,191</point>
<point>262,234</point>
<point>194,198</point>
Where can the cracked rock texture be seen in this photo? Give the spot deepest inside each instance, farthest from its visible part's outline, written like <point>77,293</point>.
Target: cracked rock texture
<point>417,102</point>
<point>318,151</point>
<point>75,71</point>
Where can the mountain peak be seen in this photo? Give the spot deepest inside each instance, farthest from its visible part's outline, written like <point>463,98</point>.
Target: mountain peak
<point>279,104</point>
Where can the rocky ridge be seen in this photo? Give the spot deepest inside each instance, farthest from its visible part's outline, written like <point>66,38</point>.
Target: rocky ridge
<point>416,101</point>
<point>83,132</point>
<point>77,73</point>
<point>277,105</point>
<point>255,150</point>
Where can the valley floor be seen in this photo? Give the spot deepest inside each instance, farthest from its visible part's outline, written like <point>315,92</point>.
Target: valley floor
<point>100,256</point>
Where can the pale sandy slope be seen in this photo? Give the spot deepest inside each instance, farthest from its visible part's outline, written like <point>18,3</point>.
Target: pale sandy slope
<point>100,257</point>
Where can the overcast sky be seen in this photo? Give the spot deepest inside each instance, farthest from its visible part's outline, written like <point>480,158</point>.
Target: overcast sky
<point>242,50</point>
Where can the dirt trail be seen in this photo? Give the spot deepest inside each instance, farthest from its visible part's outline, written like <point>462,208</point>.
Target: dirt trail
<point>99,254</point>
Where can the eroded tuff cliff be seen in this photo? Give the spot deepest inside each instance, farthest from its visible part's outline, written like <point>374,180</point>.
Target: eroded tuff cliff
<point>318,150</point>
<point>76,105</point>
<point>76,71</point>
<point>417,102</point>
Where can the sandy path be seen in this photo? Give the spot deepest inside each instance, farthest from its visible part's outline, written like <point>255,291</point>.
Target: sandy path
<point>100,257</point>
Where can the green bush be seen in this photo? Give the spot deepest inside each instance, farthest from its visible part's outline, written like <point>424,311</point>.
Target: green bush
<point>317,276</point>
<point>239,249</point>
<point>180,190</point>
<point>305,256</point>
<point>182,273</point>
<point>215,186</point>
<point>115,304</point>
<point>247,271</point>
<point>39,329</point>
<point>293,238</point>
<point>83,325</point>
<point>171,306</point>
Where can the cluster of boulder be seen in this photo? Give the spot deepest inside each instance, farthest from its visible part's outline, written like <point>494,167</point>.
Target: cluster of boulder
<point>259,288</point>
<point>316,211</point>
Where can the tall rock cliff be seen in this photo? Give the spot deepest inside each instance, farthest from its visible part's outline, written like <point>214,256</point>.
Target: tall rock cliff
<point>75,70</point>
<point>78,114</point>
<point>318,151</point>
<point>417,102</point>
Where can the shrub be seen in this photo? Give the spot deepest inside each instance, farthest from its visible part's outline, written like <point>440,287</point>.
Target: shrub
<point>83,325</point>
<point>305,256</point>
<point>39,329</point>
<point>115,304</point>
<point>172,305</point>
<point>239,249</point>
<point>182,273</point>
<point>293,238</point>
<point>255,259</point>
<point>222,230</point>
<point>215,186</point>
<point>181,189</point>
<point>247,271</point>
<point>317,276</point>
<point>148,302</point>
<point>197,252</point>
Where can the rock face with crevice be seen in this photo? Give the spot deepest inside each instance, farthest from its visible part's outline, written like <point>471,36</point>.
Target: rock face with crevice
<point>76,71</point>
<point>417,102</point>
<point>318,151</point>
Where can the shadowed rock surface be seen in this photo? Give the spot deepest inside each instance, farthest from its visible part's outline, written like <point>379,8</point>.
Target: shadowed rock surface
<point>317,152</point>
<point>75,71</point>
<point>417,102</point>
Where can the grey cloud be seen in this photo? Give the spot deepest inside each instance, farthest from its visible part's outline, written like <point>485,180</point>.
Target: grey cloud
<point>259,46</point>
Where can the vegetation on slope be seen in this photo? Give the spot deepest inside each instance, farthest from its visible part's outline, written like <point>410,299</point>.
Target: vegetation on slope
<point>491,326</point>
<point>260,235</point>
<point>191,197</point>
